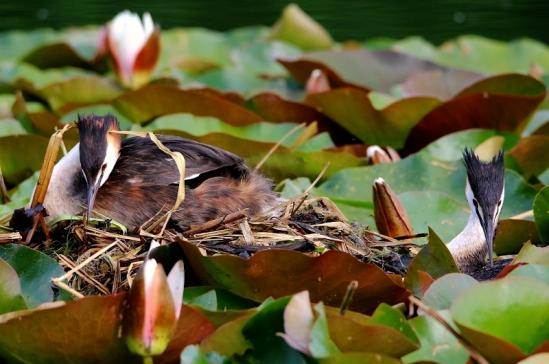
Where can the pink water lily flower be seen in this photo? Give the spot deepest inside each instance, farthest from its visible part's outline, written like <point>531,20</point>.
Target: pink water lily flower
<point>134,45</point>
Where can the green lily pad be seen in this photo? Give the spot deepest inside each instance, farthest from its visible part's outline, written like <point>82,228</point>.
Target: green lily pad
<point>437,344</point>
<point>532,254</point>
<point>446,289</point>
<point>11,127</point>
<point>541,213</point>
<point>298,28</point>
<point>26,153</point>
<point>100,109</point>
<point>215,299</point>
<point>434,259</point>
<point>11,298</point>
<point>390,316</point>
<point>35,271</point>
<point>505,319</point>
<point>359,358</point>
<point>536,271</point>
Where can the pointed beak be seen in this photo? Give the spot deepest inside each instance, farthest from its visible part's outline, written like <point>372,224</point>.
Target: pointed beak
<point>489,229</point>
<point>92,193</point>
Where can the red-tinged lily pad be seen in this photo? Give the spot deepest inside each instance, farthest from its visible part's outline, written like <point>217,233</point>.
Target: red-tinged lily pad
<point>86,331</point>
<point>439,84</point>
<point>501,102</point>
<point>75,47</point>
<point>505,319</point>
<point>536,271</point>
<point>274,108</point>
<point>512,234</point>
<point>378,70</point>
<point>354,111</point>
<point>434,259</point>
<point>527,155</point>
<point>22,154</point>
<point>163,100</point>
<point>278,273</point>
<point>353,336</point>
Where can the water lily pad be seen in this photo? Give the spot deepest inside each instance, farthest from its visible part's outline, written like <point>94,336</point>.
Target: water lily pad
<point>501,102</point>
<point>11,298</point>
<point>91,340</point>
<point>541,213</point>
<point>446,289</point>
<point>437,344</point>
<point>434,259</point>
<point>527,155</point>
<point>25,155</point>
<point>278,273</point>
<point>163,100</point>
<point>536,271</point>
<point>35,270</point>
<point>512,234</point>
<point>505,319</point>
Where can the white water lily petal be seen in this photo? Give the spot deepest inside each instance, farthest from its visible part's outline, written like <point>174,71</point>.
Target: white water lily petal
<point>127,36</point>
<point>176,282</point>
<point>298,322</point>
<point>148,273</point>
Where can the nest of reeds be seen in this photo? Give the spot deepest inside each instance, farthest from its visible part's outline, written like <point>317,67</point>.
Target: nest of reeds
<point>101,259</point>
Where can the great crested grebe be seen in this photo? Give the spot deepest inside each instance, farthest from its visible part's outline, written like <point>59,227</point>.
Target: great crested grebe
<point>485,192</point>
<point>132,180</point>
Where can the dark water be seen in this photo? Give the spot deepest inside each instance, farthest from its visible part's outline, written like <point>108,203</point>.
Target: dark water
<point>354,19</point>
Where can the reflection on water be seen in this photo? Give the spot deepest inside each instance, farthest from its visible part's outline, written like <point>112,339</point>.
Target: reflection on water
<point>352,19</point>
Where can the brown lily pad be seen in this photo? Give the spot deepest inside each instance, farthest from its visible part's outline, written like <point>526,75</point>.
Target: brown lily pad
<point>86,331</point>
<point>502,102</point>
<point>165,99</point>
<point>278,273</point>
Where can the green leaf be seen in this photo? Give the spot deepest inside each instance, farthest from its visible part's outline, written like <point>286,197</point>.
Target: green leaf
<point>434,259</point>
<point>532,254</point>
<point>26,153</point>
<point>35,271</point>
<point>298,28</point>
<point>193,355</point>
<point>261,331</point>
<point>359,358</point>
<point>100,109</point>
<point>536,271</point>
<point>11,127</point>
<point>11,298</point>
<point>437,344</point>
<point>512,311</point>
<point>541,213</point>
<point>215,299</point>
<point>389,316</point>
<point>321,346</point>
<point>446,289</point>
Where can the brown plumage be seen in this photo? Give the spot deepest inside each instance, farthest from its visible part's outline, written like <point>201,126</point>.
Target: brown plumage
<point>134,180</point>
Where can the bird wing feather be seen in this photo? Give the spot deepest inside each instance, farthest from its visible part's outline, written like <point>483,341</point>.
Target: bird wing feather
<point>138,154</point>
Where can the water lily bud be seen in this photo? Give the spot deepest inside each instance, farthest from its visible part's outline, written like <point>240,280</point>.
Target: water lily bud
<point>153,307</point>
<point>390,216</point>
<point>318,82</point>
<point>377,155</point>
<point>134,45</point>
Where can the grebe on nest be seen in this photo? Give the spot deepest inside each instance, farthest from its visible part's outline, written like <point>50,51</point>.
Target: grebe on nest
<point>132,180</point>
